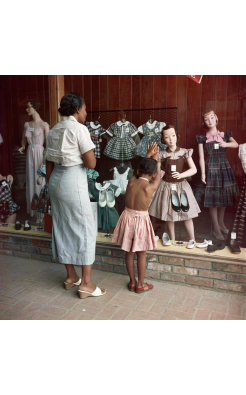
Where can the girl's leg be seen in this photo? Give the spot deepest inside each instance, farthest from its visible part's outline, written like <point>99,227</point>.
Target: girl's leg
<point>221,213</point>
<point>72,276</point>
<point>11,219</point>
<point>141,262</point>
<point>190,228</point>
<point>214,215</point>
<point>130,267</point>
<point>171,228</point>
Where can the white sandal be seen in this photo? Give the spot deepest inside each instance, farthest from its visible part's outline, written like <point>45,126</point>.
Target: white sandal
<point>85,294</point>
<point>70,285</point>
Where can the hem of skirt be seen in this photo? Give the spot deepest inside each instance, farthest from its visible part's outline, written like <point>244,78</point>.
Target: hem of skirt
<point>131,250</point>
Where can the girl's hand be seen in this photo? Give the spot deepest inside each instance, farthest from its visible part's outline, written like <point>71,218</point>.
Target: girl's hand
<point>203,178</point>
<point>223,144</point>
<point>21,149</point>
<point>152,151</point>
<point>176,174</point>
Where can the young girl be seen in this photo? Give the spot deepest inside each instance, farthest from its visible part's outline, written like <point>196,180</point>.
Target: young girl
<point>174,179</point>
<point>217,188</point>
<point>134,232</point>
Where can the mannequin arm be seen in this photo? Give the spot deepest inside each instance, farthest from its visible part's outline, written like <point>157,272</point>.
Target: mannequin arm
<point>192,170</point>
<point>202,162</point>
<point>49,168</point>
<point>232,143</point>
<point>23,142</point>
<point>46,129</point>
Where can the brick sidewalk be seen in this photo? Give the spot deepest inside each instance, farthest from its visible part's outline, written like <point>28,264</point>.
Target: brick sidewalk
<point>31,289</point>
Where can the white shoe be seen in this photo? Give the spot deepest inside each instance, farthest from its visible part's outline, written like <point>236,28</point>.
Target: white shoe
<point>110,197</point>
<point>156,238</point>
<point>102,198</point>
<point>166,240</point>
<point>191,243</point>
<point>204,244</point>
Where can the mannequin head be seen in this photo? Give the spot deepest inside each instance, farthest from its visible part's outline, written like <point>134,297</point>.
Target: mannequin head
<point>147,166</point>
<point>169,135</point>
<point>73,104</point>
<point>33,106</point>
<point>209,119</point>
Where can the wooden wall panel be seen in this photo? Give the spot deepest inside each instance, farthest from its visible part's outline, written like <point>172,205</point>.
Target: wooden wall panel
<point>182,89</point>
<point>172,82</point>
<point>160,91</point>
<point>103,93</point>
<point>113,92</point>
<point>68,83</point>
<point>136,89</point>
<point>87,92</point>
<point>125,92</point>
<point>95,92</point>
<point>77,84</point>
<point>147,91</point>
<point>193,116</point>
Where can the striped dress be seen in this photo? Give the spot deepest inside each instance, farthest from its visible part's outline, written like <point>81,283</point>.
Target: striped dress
<point>221,189</point>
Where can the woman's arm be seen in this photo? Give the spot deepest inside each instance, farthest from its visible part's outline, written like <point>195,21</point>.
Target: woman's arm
<point>192,170</point>
<point>89,159</point>
<point>49,168</point>
<point>232,143</point>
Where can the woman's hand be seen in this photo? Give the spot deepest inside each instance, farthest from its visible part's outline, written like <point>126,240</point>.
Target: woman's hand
<point>176,174</point>
<point>10,178</point>
<point>223,144</point>
<point>21,149</point>
<point>203,177</point>
<point>152,151</point>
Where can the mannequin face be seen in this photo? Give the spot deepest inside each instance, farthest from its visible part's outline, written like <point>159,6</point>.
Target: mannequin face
<point>30,110</point>
<point>210,119</point>
<point>81,114</point>
<point>170,137</point>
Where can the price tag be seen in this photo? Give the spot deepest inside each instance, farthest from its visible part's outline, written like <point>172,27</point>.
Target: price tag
<point>173,187</point>
<point>100,140</point>
<point>216,146</point>
<point>173,167</point>
<point>233,235</point>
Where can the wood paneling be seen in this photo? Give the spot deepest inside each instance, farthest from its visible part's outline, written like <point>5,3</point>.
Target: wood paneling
<point>87,92</point>
<point>113,88</point>
<point>147,91</point>
<point>125,93</point>
<point>95,92</point>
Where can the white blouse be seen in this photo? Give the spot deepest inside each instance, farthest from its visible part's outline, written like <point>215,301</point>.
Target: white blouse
<point>67,141</point>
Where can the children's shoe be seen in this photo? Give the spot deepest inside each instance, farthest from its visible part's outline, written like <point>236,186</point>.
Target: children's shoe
<point>110,200</point>
<point>166,240</point>
<point>156,238</point>
<point>102,198</point>
<point>191,243</point>
<point>204,244</point>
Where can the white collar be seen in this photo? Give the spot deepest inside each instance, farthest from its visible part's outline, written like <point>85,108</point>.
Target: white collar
<point>99,186</point>
<point>119,123</point>
<point>151,125</point>
<point>70,118</point>
<point>95,126</point>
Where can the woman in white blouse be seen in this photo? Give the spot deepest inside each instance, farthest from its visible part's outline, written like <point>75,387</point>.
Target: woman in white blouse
<point>69,149</point>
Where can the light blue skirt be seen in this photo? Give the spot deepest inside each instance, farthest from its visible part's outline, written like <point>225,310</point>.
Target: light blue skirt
<point>74,230</point>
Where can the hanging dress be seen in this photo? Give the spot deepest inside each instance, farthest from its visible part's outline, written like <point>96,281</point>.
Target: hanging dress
<point>34,160</point>
<point>96,132</point>
<point>152,134</point>
<point>6,201</point>
<point>121,145</point>
<point>120,180</point>
<point>221,189</point>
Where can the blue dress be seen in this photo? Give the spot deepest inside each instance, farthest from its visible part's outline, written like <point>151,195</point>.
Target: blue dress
<point>151,135</point>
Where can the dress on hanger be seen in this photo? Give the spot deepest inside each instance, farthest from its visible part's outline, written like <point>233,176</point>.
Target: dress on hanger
<point>42,173</point>
<point>152,134</point>
<point>221,189</point>
<point>121,144</point>
<point>161,206</point>
<point>5,196</point>
<point>120,180</point>
<point>34,160</point>
<point>107,216</point>
<point>95,131</point>
<point>239,222</point>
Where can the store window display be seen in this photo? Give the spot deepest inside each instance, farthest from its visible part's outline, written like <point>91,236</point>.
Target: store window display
<point>34,134</point>
<point>217,187</point>
<point>8,208</point>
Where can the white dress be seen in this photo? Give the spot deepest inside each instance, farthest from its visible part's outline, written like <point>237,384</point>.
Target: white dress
<point>120,180</point>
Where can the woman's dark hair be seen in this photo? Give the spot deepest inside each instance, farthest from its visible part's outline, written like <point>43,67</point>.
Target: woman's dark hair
<point>147,166</point>
<point>69,103</point>
<point>35,104</point>
<point>167,127</point>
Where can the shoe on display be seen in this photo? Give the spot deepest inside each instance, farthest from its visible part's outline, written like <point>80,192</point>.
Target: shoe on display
<point>234,247</point>
<point>175,202</point>
<point>156,238</point>
<point>184,202</point>
<point>218,237</point>
<point>226,231</point>
<point>204,244</point>
<point>215,247</point>
<point>191,243</point>
<point>110,200</point>
<point>102,198</point>
<point>17,225</point>
<point>27,226</point>
<point>166,240</point>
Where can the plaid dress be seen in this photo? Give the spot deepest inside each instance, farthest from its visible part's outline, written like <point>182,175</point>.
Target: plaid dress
<point>5,196</point>
<point>152,134</point>
<point>121,145</point>
<point>96,131</point>
<point>221,189</point>
<point>42,173</point>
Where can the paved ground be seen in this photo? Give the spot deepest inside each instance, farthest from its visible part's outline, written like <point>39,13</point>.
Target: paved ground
<point>33,290</point>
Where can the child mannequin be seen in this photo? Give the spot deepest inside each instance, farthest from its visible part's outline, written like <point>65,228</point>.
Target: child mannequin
<point>217,188</point>
<point>161,206</point>
<point>134,231</point>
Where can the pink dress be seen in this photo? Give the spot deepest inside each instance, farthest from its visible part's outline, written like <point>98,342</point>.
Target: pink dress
<point>34,160</point>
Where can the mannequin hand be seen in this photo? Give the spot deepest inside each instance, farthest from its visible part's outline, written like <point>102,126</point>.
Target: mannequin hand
<point>223,144</point>
<point>10,178</point>
<point>39,180</point>
<point>152,151</point>
<point>21,149</point>
<point>203,178</point>
<point>176,174</point>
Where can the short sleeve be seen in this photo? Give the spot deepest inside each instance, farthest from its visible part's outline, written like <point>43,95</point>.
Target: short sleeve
<point>133,129</point>
<point>84,140</point>
<point>162,124</point>
<point>200,138</point>
<point>110,130</point>
<point>188,153</point>
<point>228,134</point>
<point>140,129</point>
<point>161,155</point>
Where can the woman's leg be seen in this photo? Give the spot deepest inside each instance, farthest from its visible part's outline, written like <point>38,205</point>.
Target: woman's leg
<point>11,219</point>
<point>214,215</point>
<point>171,228</point>
<point>141,263</point>
<point>130,267</point>
<point>86,283</point>
<point>72,276</point>
<point>190,228</point>
<point>221,213</point>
